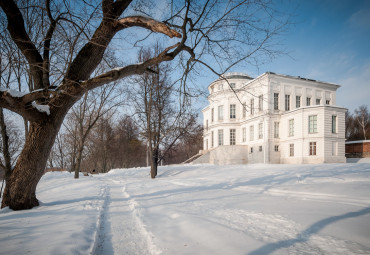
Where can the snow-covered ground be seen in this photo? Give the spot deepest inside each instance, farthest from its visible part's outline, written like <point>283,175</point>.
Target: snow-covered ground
<point>197,209</point>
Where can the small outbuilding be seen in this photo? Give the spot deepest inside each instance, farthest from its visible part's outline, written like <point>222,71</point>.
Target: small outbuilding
<point>358,149</point>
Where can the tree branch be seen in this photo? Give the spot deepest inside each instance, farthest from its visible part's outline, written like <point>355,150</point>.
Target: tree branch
<point>148,23</point>
<point>23,105</point>
<point>20,37</point>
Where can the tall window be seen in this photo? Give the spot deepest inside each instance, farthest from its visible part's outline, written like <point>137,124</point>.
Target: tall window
<point>291,149</point>
<point>252,106</point>
<point>260,131</point>
<point>312,148</point>
<point>244,110</point>
<point>276,101</point>
<point>334,124</point>
<point>220,137</point>
<point>291,127</point>
<point>232,111</point>
<point>251,133</point>
<point>260,103</point>
<point>308,101</point>
<point>318,101</point>
<point>206,124</point>
<point>212,114</point>
<point>276,147</point>
<point>298,101</point>
<point>312,124</point>
<point>287,102</point>
<point>276,129</point>
<point>244,134</point>
<point>327,101</point>
<point>334,151</point>
<point>220,112</point>
<point>232,136</point>
<point>212,136</point>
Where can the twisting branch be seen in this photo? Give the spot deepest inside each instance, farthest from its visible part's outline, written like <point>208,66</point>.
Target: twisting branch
<point>148,23</point>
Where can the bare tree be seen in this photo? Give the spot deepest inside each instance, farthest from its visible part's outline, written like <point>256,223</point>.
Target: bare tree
<point>362,117</point>
<point>62,71</point>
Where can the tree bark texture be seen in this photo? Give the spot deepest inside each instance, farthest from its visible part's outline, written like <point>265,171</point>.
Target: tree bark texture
<point>20,190</point>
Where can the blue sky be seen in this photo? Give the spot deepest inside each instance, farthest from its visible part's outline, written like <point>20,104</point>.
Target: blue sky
<point>329,41</point>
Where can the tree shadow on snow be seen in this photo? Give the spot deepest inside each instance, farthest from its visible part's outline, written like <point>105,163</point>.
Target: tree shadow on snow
<point>307,233</point>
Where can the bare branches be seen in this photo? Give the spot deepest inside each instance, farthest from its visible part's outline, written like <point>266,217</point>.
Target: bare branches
<point>21,39</point>
<point>23,104</point>
<point>148,23</point>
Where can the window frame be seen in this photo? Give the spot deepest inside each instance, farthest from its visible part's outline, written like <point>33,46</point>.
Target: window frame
<point>313,149</point>
<point>291,150</point>
<point>312,124</point>
<point>220,133</point>
<point>232,136</point>
<point>276,101</point>
<point>291,127</point>
<point>287,102</point>
<point>297,101</point>
<point>232,111</point>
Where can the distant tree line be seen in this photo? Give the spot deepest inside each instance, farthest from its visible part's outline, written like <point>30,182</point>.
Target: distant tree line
<point>358,124</point>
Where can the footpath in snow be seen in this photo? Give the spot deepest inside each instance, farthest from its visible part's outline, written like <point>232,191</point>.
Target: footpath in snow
<point>197,209</point>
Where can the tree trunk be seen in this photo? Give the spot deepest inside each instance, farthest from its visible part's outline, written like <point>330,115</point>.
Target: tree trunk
<point>154,165</point>
<point>20,189</point>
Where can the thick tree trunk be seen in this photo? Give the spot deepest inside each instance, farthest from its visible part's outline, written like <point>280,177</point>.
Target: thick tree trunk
<point>20,190</point>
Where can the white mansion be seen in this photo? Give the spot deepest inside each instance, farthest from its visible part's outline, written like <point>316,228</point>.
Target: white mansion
<point>273,118</point>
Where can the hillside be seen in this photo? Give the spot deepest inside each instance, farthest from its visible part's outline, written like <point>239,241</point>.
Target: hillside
<point>197,209</point>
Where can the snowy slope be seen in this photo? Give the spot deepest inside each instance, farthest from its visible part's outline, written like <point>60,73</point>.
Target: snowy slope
<point>198,209</point>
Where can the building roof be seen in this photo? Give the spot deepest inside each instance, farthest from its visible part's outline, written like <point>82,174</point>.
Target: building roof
<point>233,75</point>
<point>360,141</point>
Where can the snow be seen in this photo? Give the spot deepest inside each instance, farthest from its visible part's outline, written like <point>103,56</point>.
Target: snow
<point>197,209</point>
<point>13,93</point>
<point>359,141</point>
<point>41,108</point>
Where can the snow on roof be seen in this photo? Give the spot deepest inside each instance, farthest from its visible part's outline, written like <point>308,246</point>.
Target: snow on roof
<point>359,141</point>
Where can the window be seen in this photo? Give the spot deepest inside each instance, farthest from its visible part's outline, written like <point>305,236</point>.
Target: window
<point>251,133</point>
<point>334,149</point>
<point>298,101</point>
<point>260,148</point>
<point>251,149</point>
<point>308,101</point>
<point>312,124</point>
<point>232,136</point>
<point>206,144</point>
<point>291,150</point>
<point>252,106</point>
<point>276,129</point>
<point>244,134</point>
<point>260,103</point>
<point>312,148</point>
<point>287,102</point>
<point>318,101</point>
<point>220,112</point>
<point>233,85</point>
<point>212,136</point>
<point>260,131</point>
<point>212,114</point>
<point>334,124</point>
<point>327,101</point>
<point>276,147</point>
<point>232,111</point>
<point>291,127</point>
<point>206,124</point>
<point>276,101</point>
<point>220,137</point>
<point>244,110</point>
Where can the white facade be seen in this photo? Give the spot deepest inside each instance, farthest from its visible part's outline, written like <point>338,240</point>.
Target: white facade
<point>273,119</point>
